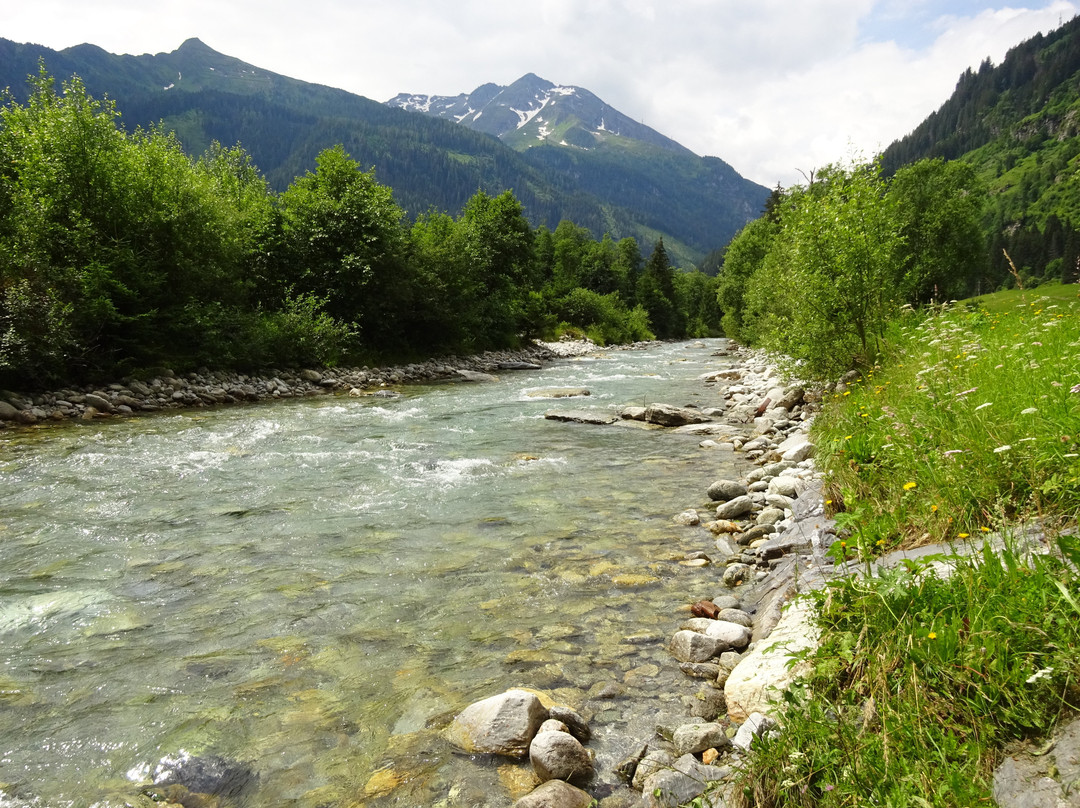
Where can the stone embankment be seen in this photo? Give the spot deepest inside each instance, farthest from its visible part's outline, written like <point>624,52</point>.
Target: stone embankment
<point>167,390</point>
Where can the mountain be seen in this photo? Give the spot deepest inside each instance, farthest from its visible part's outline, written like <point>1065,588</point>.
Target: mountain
<point>533,111</point>
<point>568,131</point>
<point>1018,125</point>
<point>695,204</point>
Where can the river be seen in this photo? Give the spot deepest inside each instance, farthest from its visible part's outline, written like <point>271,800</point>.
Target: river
<point>313,587</point>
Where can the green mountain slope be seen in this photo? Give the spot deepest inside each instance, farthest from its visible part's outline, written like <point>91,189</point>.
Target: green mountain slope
<point>1018,124</point>
<point>431,164</point>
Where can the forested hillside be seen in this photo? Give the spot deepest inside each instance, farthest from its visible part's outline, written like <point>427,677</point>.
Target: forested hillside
<point>1018,125</point>
<point>120,253</point>
<point>432,164</point>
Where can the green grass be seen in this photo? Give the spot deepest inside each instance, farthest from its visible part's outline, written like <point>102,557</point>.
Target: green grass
<point>969,427</point>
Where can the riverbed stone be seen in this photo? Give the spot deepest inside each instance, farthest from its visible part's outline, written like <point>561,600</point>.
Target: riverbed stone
<point>685,780</point>
<point>476,376</point>
<point>99,402</point>
<point>701,670</point>
<point>735,615</point>
<point>653,762</point>
<point>725,490</point>
<point>559,392</point>
<point>575,722</point>
<point>598,417</point>
<point>692,646</point>
<point>770,516</point>
<point>689,739</point>
<point>668,415</point>
<point>555,794</point>
<point>755,726</point>
<point>500,725</point>
<point>735,508</point>
<point>732,635</point>
<point>737,574</point>
<point>559,755</point>
<point>784,486</point>
<point>688,518</point>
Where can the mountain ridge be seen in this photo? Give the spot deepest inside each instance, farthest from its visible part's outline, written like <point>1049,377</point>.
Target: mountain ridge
<point>623,186</point>
<point>531,109</point>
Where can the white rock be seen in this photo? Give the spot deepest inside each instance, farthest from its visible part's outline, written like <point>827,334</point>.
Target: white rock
<point>731,634</point>
<point>499,725</point>
<point>764,672</point>
<point>755,725</point>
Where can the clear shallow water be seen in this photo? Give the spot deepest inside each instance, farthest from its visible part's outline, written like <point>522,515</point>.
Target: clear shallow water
<point>315,586</point>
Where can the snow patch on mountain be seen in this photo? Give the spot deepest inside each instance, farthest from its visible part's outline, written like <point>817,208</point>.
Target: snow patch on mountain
<point>526,115</point>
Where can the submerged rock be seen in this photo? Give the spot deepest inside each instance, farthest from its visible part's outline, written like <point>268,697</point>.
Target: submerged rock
<point>599,417</point>
<point>210,774</point>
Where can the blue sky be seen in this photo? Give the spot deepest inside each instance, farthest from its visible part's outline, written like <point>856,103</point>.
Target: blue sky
<point>771,86</point>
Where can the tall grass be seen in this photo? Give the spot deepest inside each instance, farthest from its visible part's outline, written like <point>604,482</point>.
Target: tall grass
<point>969,427</point>
<point>972,422</point>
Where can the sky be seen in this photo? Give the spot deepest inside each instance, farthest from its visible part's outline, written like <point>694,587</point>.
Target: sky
<point>776,88</point>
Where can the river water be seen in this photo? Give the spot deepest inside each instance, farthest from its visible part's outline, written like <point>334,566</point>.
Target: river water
<point>313,588</point>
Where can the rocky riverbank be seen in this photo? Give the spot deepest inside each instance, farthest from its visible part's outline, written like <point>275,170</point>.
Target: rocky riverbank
<point>771,536</point>
<point>166,390</point>
<point>763,526</point>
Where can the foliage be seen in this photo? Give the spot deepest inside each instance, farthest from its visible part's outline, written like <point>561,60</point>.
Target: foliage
<point>744,256</point>
<point>656,294</point>
<point>119,252</point>
<point>824,292</point>
<point>1015,125</point>
<point>639,191</point>
<point>342,241</point>
<point>112,237</point>
<point>938,206</point>
<point>920,681</point>
<point>970,426</point>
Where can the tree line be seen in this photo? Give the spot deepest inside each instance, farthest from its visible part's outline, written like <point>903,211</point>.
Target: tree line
<point>119,253</point>
<point>822,274</point>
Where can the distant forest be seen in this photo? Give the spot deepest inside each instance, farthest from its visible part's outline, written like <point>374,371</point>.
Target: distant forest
<point>120,253</point>
<point>1018,125</point>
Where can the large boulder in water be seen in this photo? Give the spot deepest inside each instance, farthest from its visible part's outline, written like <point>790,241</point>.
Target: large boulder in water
<point>667,415</point>
<point>499,725</point>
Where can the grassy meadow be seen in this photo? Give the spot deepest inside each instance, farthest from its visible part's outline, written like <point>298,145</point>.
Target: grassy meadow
<point>970,427</point>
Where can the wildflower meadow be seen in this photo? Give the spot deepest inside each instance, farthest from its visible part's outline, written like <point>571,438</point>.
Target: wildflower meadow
<point>966,430</point>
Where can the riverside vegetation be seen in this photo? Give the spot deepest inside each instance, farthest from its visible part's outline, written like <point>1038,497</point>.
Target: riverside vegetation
<point>121,255</point>
<point>967,425</point>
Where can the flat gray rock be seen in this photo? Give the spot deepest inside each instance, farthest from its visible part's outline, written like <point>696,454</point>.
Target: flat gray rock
<point>559,392</point>
<point>582,416</point>
<point>1041,778</point>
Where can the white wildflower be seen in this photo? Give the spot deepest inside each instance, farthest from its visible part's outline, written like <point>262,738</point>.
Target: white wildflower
<point>1001,449</point>
<point>1045,673</point>
<point>1029,411</point>
<point>983,406</point>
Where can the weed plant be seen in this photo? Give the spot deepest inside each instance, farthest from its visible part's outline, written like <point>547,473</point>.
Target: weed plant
<point>930,669</point>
